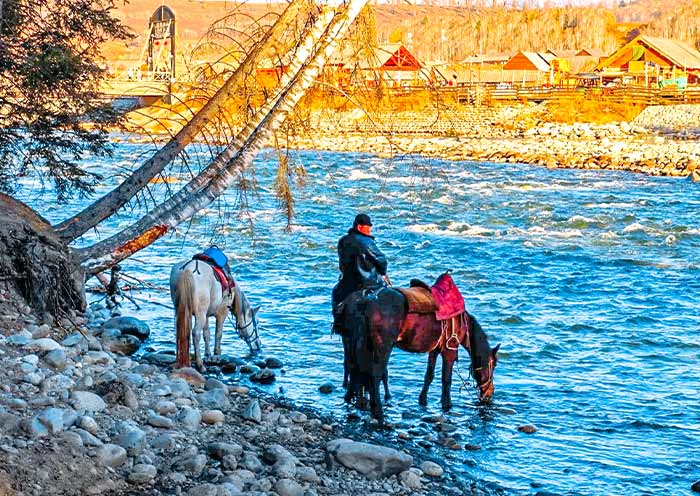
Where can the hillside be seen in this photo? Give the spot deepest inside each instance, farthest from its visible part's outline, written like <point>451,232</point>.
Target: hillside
<point>439,32</point>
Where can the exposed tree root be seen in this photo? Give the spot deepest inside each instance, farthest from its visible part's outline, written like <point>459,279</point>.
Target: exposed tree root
<point>36,267</point>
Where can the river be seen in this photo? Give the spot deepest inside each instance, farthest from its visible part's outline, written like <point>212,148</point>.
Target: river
<point>590,281</point>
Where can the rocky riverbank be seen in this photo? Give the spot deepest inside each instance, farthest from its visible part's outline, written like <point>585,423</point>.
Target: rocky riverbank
<point>80,417</point>
<point>516,134</point>
<point>661,140</point>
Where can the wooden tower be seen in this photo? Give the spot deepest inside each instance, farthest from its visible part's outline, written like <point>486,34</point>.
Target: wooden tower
<point>161,44</point>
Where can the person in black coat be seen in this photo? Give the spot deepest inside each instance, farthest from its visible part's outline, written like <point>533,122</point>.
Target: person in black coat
<point>361,263</point>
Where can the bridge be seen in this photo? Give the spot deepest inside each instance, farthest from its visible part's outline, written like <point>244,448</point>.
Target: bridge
<point>129,94</point>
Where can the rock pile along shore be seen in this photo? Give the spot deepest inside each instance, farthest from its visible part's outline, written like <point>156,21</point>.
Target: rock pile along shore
<point>78,416</point>
<point>660,141</point>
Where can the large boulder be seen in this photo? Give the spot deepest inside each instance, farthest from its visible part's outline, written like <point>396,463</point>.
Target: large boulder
<point>371,460</point>
<point>130,326</point>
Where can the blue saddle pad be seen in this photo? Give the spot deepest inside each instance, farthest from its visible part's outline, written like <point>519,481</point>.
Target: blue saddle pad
<point>217,256</point>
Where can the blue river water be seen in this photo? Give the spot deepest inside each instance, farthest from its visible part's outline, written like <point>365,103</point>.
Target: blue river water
<point>589,280</point>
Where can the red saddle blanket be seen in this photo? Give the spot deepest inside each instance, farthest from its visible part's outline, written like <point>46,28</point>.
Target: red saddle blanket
<point>225,279</point>
<point>450,302</point>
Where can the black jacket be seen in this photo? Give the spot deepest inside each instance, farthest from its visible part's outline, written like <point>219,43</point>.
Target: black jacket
<point>361,262</point>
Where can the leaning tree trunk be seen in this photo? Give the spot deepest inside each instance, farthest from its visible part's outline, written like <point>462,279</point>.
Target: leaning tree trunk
<point>91,216</point>
<point>36,267</point>
<point>310,57</point>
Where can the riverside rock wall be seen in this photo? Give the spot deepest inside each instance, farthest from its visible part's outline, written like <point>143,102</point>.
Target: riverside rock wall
<point>680,120</point>
<point>517,134</point>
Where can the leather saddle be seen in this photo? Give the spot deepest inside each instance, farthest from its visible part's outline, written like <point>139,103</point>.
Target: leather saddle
<point>418,297</point>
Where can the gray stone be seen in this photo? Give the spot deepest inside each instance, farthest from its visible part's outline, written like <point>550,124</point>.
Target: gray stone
<point>431,469</point>
<point>106,486</point>
<point>73,340</point>
<point>41,331</point>
<point>48,422</point>
<point>165,407</point>
<point>123,344</point>
<point>97,358</point>
<point>142,474</point>
<point>58,382</point>
<point>273,363</point>
<point>88,439</point>
<point>159,421</point>
<point>9,423</point>
<point>89,424</point>
<point>285,469</point>
<point>33,378</point>
<point>159,358</point>
<point>204,490</point>
<point>326,388</point>
<point>252,411</point>
<point>298,417</point>
<point>193,465</point>
<point>165,442</point>
<point>307,474</point>
<point>213,417</point>
<point>56,359</point>
<point>410,480</point>
<point>72,439</point>
<point>212,383</point>
<point>111,455</point>
<point>136,380</point>
<point>131,438</point>
<point>250,462</point>
<point>190,418</point>
<point>85,400</point>
<point>19,339</point>
<point>219,450</point>
<point>17,404</point>
<point>276,453</point>
<point>129,326</point>
<point>265,376</point>
<point>229,462</point>
<point>43,345</point>
<point>288,487</point>
<point>373,461</point>
<point>214,399</point>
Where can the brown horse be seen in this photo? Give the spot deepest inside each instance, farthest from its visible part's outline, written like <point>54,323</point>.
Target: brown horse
<point>375,324</point>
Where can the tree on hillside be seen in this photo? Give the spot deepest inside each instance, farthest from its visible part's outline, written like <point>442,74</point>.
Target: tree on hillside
<point>35,260</point>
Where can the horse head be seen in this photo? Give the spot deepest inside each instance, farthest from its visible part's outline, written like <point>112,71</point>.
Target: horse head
<point>246,320</point>
<point>484,360</point>
<point>483,375</point>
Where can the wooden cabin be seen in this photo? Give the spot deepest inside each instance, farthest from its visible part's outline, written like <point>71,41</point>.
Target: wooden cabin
<point>649,60</point>
<point>390,64</point>
<point>528,68</point>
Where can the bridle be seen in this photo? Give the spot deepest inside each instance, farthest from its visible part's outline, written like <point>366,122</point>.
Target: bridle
<point>489,382</point>
<point>247,338</point>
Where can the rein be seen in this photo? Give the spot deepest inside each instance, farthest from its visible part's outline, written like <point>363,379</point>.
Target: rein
<point>248,339</point>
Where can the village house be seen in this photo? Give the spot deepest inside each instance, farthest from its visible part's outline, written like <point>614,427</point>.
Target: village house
<point>648,61</point>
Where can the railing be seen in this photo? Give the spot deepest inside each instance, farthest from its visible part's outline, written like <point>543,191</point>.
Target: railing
<point>475,94</point>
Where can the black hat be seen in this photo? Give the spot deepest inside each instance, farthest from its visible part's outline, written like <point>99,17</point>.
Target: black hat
<point>362,219</point>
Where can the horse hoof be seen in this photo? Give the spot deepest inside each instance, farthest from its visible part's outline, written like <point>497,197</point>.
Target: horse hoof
<point>446,406</point>
<point>423,401</point>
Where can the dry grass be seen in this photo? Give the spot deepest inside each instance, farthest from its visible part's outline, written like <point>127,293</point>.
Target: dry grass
<point>594,110</point>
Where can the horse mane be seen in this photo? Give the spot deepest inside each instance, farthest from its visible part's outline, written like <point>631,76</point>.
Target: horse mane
<point>479,344</point>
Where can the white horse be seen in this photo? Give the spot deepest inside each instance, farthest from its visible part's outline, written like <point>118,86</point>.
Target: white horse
<point>197,292</point>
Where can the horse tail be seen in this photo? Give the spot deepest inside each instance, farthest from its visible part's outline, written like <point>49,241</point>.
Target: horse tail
<point>183,318</point>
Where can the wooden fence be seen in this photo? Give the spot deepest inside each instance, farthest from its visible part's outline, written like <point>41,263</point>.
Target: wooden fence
<point>474,94</point>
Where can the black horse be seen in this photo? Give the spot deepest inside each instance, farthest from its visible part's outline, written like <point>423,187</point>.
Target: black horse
<point>374,324</point>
